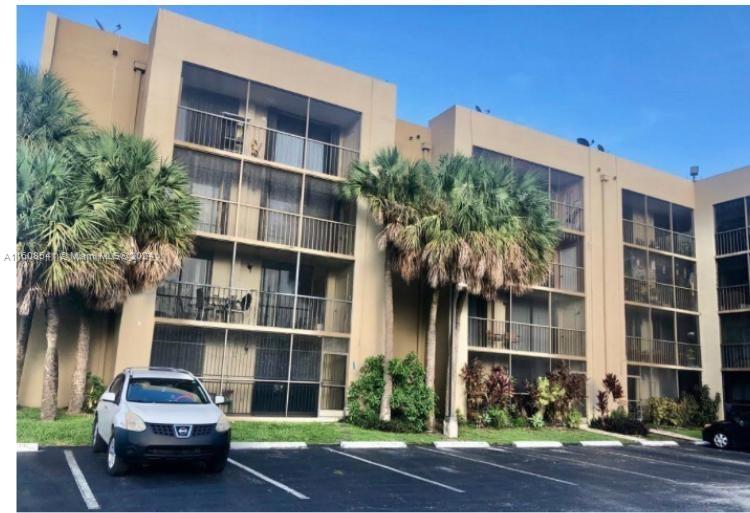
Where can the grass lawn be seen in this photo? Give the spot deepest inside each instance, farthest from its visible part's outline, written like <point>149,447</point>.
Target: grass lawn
<point>76,430</point>
<point>695,432</point>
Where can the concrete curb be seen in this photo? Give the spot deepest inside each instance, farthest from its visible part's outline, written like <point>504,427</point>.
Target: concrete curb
<point>678,436</point>
<point>701,442</point>
<point>26,447</point>
<point>537,445</point>
<point>601,443</point>
<point>372,445</point>
<point>267,445</point>
<point>610,434</point>
<point>461,445</point>
<point>658,443</point>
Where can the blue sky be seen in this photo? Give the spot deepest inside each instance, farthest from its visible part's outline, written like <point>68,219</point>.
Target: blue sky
<point>665,86</point>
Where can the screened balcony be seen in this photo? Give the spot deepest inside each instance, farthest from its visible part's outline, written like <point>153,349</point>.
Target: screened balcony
<point>732,225</point>
<point>645,382</point>
<point>239,116</point>
<point>660,280</point>
<point>263,291</point>
<point>734,282</point>
<point>661,337</point>
<point>657,224</point>
<point>267,204</point>
<point>260,374</point>
<point>566,271</point>
<point>537,322</point>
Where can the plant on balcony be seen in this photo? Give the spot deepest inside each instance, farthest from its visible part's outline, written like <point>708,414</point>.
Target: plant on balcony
<point>392,187</point>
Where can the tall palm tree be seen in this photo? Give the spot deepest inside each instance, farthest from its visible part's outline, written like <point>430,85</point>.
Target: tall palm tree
<point>390,184</point>
<point>486,228</point>
<point>155,217</point>
<point>60,224</point>
<point>47,113</point>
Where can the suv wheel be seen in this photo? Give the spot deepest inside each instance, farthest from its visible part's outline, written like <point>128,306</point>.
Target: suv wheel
<point>97,443</point>
<point>115,465</point>
<point>720,440</point>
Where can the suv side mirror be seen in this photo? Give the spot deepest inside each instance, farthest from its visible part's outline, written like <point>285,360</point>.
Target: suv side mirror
<point>109,397</point>
<point>219,399</point>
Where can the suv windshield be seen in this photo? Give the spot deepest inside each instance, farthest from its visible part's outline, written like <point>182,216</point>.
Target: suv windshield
<point>165,390</point>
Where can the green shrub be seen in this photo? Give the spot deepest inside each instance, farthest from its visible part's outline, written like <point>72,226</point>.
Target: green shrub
<point>94,390</point>
<point>520,422</point>
<point>499,418</point>
<point>536,421</point>
<point>664,411</point>
<point>363,400</point>
<point>619,422</point>
<point>708,407</point>
<point>573,419</point>
<point>412,401</point>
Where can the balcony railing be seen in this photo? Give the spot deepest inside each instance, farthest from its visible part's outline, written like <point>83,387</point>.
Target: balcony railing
<point>662,352</point>
<point>735,356</point>
<point>182,300</point>
<point>267,225</point>
<point>239,135</point>
<point>325,235</point>
<point>566,277</point>
<point>732,241</point>
<point>516,336</point>
<point>660,294</point>
<point>661,239</point>
<point>736,297</point>
<point>570,216</point>
<point>215,216</point>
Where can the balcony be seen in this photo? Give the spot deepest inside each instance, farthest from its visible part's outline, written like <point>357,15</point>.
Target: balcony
<point>198,302</point>
<point>516,336</point>
<point>570,216</point>
<point>736,297</point>
<point>662,352</point>
<point>735,356</point>
<point>660,239</point>
<point>732,241</point>
<point>660,294</point>
<point>566,277</point>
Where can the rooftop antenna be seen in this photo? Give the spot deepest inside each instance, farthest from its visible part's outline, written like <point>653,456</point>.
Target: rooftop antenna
<point>694,172</point>
<point>118,27</point>
<point>99,24</point>
<point>479,109</point>
<point>584,142</point>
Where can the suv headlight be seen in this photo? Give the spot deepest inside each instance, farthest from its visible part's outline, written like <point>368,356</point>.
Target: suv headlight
<point>223,425</point>
<point>133,422</point>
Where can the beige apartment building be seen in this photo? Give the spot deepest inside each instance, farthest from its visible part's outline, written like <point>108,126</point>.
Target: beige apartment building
<point>282,300</point>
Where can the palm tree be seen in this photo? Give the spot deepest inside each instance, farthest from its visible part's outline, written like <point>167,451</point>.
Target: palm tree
<point>46,113</point>
<point>390,185</point>
<point>486,229</point>
<point>155,217</point>
<point>59,223</point>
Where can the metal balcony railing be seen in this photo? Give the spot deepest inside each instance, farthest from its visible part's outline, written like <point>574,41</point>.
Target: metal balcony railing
<point>516,336</point>
<point>688,355</point>
<point>182,300</point>
<point>267,225</point>
<point>570,216</point>
<point>660,294</point>
<point>648,236</point>
<point>215,216</point>
<point>736,297</point>
<point>239,135</point>
<point>566,277</point>
<point>646,350</point>
<point>325,235</point>
<point>735,356</point>
<point>732,241</point>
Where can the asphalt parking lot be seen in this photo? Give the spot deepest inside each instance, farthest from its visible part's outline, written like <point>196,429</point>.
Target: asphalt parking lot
<point>421,478</point>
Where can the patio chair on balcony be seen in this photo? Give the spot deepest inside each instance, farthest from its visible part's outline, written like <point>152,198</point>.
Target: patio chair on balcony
<point>238,308</point>
<point>205,307</point>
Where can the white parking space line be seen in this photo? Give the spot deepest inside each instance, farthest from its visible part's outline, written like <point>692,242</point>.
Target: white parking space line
<point>80,479</point>
<point>598,465</point>
<point>693,454</point>
<point>397,471</point>
<point>267,479</point>
<point>497,465</point>
<point>672,463</point>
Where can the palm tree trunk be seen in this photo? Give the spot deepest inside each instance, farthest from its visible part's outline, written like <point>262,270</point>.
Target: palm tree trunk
<point>22,342</point>
<point>82,362</point>
<point>49,383</point>
<point>385,402</point>
<point>431,344</point>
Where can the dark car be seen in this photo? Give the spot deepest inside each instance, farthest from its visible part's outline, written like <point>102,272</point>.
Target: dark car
<point>734,432</point>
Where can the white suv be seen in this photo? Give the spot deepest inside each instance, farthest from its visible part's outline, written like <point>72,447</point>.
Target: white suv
<point>158,414</point>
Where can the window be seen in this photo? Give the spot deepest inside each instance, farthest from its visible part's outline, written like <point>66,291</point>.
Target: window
<point>116,386</point>
<point>166,391</point>
<point>730,215</point>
